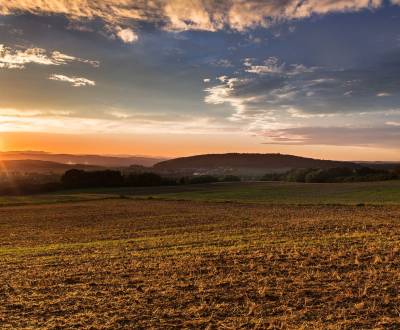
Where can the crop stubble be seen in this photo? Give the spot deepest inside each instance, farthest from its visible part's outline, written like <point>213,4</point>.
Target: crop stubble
<point>169,264</point>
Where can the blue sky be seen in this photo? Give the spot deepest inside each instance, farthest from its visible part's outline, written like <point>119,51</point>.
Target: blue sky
<point>319,78</point>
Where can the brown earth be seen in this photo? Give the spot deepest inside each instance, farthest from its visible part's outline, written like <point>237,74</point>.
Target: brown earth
<point>167,264</point>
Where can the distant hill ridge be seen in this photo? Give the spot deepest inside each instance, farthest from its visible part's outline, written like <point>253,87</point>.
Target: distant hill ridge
<point>96,160</point>
<point>42,166</point>
<point>248,160</point>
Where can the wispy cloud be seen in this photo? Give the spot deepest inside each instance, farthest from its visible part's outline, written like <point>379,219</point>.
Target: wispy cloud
<point>74,81</point>
<point>64,59</point>
<point>18,113</point>
<point>16,120</point>
<point>393,123</point>
<point>380,136</point>
<point>270,66</point>
<point>18,58</point>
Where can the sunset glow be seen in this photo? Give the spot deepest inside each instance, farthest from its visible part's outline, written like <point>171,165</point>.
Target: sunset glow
<point>178,77</point>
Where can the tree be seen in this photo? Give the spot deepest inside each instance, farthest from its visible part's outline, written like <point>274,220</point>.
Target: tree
<point>231,178</point>
<point>203,179</point>
<point>82,179</point>
<point>144,180</point>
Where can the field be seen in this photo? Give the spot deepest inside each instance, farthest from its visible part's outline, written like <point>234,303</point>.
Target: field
<point>371,193</point>
<point>375,193</point>
<point>137,263</point>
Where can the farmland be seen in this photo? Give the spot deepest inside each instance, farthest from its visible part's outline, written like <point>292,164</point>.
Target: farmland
<point>371,193</point>
<point>126,263</point>
<point>375,193</point>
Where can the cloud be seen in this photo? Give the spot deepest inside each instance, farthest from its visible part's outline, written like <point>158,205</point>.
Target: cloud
<point>77,26</point>
<point>17,120</point>
<point>315,92</point>
<point>19,113</point>
<point>119,114</point>
<point>127,35</point>
<point>18,59</point>
<point>296,113</point>
<point>64,59</point>
<point>224,93</point>
<point>181,15</point>
<point>74,81</point>
<point>271,65</point>
<point>249,14</point>
<point>393,123</point>
<point>381,136</point>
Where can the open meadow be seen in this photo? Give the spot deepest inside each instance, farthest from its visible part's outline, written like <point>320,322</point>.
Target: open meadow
<point>371,193</point>
<point>136,263</point>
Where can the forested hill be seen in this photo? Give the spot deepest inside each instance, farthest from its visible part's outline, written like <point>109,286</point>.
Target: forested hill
<point>251,161</point>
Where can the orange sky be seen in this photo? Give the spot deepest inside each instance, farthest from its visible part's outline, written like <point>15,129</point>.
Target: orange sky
<point>174,145</point>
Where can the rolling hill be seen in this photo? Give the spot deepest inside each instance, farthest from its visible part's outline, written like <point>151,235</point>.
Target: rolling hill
<point>238,161</point>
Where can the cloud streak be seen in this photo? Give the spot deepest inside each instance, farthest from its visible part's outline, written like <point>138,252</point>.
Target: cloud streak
<point>18,59</point>
<point>14,120</point>
<point>382,136</point>
<point>74,81</point>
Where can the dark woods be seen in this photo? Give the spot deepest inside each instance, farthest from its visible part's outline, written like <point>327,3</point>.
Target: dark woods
<point>108,178</point>
<point>81,179</point>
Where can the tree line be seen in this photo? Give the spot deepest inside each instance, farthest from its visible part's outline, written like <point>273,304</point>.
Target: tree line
<point>81,179</point>
<point>336,174</point>
<point>109,178</point>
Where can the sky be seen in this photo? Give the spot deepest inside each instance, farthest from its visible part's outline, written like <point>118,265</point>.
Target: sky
<point>316,78</point>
